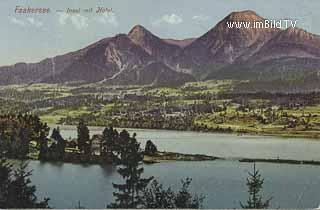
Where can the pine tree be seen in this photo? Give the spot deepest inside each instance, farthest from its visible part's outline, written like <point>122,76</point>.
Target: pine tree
<point>255,185</point>
<point>83,136</point>
<point>5,171</point>
<point>109,138</point>
<point>43,150</point>
<point>16,190</point>
<point>184,199</point>
<point>61,143</point>
<point>21,192</point>
<point>150,148</point>
<point>131,156</point>
<point>43,132</point>
<point>56,134</point>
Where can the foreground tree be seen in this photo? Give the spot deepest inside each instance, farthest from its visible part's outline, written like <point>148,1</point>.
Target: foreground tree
<point>157,197</point>
<point>255,185</point>
<point>21,192</point>
<point>129,194</point>
<point>5,171</point>
<point>16,190</point>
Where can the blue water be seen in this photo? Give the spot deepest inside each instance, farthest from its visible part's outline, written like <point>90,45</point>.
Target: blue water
<point>222,182</point>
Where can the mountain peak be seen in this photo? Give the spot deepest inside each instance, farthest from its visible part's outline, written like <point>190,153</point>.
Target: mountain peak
<point>246,15</point>
<point>138,34</point>
<point>138,28</point>
<point>144,38</point>
<point>227,33</point>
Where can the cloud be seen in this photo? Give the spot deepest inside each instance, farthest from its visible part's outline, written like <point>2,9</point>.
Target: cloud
<point>27,22</point>
<point>18,22</point>
<point>63,18</point>
<point>34,22</point>
<point>81,22</point>
<point>108,18</point>
<point>78,21</point>
<point>172,19</point>
<point>200,18</point>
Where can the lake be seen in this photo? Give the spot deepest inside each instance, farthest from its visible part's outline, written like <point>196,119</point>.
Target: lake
<point>222,181</point>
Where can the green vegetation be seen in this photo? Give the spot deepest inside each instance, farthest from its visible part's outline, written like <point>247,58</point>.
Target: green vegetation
<point>255,185</point>
<point>16,190</point>
<point>131,157</point>
<point>134,192</point>
<point>210,106</point>
<point>24,134</point>
<point>157,197</point>
<point>26,137</point>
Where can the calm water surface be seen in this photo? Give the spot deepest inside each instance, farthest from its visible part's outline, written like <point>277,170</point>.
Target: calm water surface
<point>223,182</point>
<point>223,145</point>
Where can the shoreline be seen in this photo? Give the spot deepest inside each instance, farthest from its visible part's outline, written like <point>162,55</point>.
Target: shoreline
<point>280,161</point>
<point>161,157</point>
<point>148,159</point>
<point>238,133</point>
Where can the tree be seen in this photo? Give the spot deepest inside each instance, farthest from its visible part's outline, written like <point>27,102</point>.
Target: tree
<point>150,148</point>
<point>39,130</point>
<point>109,136</point>
<point>16,190</point>
<point>43,131</point>
<point>61,143</point>
<point>43,154</point>
<point>21,192</point>
<point>5,171</point>
<point>184,199</point>
<point>23,139</point>
<point>83,136</point>
<point>17,131</point>
<point>157,197</point>
<point>255,185</point>
<point>131,156</point>
<point>56,134</point>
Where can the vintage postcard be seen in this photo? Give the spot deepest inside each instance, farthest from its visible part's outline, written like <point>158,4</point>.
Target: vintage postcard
<point>171,104</point>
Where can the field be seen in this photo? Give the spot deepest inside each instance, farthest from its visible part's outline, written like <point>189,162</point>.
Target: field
<point>210,106</point>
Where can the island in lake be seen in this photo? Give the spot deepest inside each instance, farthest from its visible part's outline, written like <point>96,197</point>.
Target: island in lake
<point>226,117</point>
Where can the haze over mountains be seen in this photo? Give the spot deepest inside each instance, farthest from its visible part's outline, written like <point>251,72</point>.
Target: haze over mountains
<point>141,57</point>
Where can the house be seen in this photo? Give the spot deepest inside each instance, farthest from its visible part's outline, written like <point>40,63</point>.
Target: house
<point>96,146</point>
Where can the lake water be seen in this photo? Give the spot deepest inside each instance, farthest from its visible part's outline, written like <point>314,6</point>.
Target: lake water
<point>222,181</point>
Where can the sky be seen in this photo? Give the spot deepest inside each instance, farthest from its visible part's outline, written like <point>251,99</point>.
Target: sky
<point>33,37</point>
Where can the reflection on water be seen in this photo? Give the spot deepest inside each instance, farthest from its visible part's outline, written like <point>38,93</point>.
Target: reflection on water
<point>223,182</point>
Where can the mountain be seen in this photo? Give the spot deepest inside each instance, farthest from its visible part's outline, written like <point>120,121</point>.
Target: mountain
<point>103,60</point>
<point>292,42</point>
<point>222,45</point>
<point>153,45</point>
<point>289,54</point>
<point>155,73</point>
<point>115,60</point>
<point>226,51</point>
